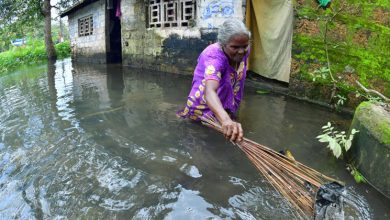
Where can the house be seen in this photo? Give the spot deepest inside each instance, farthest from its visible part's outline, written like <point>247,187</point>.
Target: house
<point>168,35</point>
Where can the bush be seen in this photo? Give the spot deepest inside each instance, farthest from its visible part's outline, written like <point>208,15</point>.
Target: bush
<point>63,49</point>
<point>33,52</point>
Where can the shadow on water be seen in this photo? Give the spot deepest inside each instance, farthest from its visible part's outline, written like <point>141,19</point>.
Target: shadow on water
<point>102,141</point>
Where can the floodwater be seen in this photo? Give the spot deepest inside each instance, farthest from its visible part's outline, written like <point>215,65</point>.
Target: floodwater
<point>86,141</point>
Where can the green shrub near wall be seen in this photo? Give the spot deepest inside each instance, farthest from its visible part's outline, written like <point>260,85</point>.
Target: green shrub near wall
<point>33,52</point>
<point>63,49</point>
<point>358,40</point>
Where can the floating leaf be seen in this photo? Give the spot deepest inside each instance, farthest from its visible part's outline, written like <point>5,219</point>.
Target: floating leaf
<point>261,92</point>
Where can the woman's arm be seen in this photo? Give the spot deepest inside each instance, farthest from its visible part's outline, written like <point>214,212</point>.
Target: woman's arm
<point>231,129</point>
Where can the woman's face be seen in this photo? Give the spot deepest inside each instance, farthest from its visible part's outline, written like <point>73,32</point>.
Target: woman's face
<point>236,48</point>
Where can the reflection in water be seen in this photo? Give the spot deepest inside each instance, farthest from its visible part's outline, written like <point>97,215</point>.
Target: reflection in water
<point>97,142</point>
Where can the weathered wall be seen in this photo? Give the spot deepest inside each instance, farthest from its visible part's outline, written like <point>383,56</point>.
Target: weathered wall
<point>357,35</point>
<point>89,48</point>
<point>171,49</point>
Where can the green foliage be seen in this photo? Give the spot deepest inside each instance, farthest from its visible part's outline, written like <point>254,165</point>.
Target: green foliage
<point>321,75</point>
<point>339,144</point>
<point>353,38</point>
<point>369,97</point>
<point>368,64</point>
<point>63,49</point>
<point>340,100</point>
<point>337,141</point>
<point>33,52</point>
<point>359,178</point>
<point>20,18</point>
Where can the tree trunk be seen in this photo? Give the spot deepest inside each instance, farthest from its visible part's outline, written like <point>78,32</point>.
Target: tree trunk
<point>51,52</point>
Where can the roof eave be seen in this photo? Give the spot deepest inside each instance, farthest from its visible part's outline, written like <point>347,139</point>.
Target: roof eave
<point>76,7</point>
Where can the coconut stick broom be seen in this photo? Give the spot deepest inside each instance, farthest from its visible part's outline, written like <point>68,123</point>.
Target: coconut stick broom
<point>297,183</point>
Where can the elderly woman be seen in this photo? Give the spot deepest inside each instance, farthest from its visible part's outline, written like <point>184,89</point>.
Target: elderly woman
<point>218,83</point>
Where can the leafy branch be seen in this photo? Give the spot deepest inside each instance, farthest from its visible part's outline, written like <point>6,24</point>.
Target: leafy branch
<point>337,141</point>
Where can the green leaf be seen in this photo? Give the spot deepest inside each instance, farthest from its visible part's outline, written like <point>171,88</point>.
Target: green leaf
<point>336,148</point>
<point>348,144</point>
<point>324,127</point>
<point>328,125</point>
<point>359,178</point>
<point>354,131</point>
<point>261,92</point>
<point>324,138</point>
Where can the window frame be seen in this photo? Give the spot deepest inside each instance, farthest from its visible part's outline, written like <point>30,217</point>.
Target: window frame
<point>171,13</point>
<point>85,26</point>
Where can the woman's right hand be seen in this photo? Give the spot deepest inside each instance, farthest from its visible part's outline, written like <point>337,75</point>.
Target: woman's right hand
<point>232,130</point>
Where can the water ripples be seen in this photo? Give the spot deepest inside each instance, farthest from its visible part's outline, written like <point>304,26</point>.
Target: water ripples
<point>83,145</point>
<point>355,206</point>
<point>263,200</point>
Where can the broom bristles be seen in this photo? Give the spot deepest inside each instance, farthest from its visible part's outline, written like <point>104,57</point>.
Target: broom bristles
<point>296,182</point>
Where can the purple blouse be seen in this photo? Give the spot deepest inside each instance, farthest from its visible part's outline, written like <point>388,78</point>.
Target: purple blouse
<point>213,64</point>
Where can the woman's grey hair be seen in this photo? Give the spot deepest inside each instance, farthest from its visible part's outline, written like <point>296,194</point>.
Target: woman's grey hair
<point>230,28</point>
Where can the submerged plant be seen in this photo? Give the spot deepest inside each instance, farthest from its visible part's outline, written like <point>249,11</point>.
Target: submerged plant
<point>359,178</point>
<point>337,141</point>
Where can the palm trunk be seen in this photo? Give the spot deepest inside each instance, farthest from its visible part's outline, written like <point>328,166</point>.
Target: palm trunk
<point>50,51</point>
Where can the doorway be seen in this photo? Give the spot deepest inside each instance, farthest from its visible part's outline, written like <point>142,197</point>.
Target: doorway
<point>114,49</point>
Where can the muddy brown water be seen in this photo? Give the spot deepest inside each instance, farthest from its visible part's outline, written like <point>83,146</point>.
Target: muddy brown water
<point>87,141</point>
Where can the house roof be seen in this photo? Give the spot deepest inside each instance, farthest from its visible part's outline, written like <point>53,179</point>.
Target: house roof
<point>77,6</point>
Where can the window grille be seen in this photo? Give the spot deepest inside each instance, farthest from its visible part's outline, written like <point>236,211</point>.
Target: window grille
<point>86,26</point>
<point>171,13</point>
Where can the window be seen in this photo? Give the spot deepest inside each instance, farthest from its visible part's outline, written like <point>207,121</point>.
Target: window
<point>86,26</point>
<point>171,13</point>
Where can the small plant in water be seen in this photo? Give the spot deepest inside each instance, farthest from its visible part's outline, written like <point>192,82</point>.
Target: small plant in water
<point>339,144</point>
<point>337,141</point>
